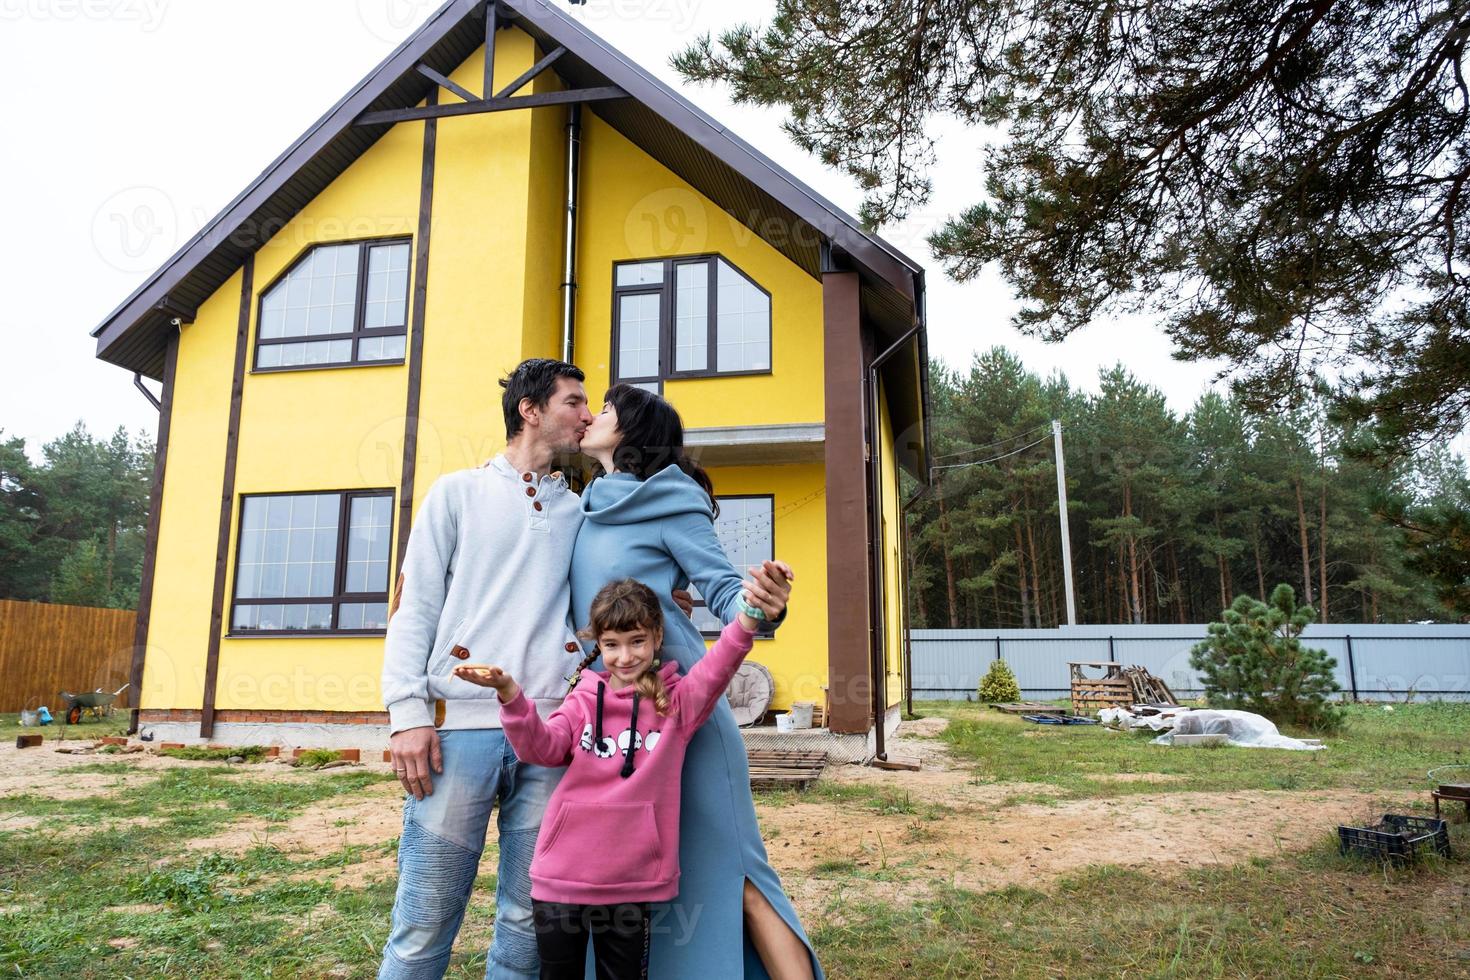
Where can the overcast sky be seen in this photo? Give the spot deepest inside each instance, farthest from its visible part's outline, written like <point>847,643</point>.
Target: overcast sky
<point>130,123</point>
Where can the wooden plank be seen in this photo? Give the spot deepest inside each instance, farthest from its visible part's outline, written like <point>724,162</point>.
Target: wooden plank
<point>47,647</point>
<point>601,93</point>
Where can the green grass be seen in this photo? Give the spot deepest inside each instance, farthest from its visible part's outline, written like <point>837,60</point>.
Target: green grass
<point>88,729</point>
<point>879,799</point>
<point>105,887</point>
<point>182,803</point>
<point>1310,915</point>
<point>1375,751</point>
<point>203,753</point>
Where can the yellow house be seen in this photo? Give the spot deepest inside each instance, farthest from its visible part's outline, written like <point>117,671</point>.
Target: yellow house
<point>506,185</point>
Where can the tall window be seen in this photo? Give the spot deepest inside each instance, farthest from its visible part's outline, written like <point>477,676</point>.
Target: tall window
<point>339,304</point>
<point>746,529</point>
<point>313,563</point>
<point>688,318</point>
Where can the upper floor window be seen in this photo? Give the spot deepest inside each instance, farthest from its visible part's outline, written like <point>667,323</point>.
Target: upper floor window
<point>339,304</point>
<point>688,318</point>
<point>746,529</point>
<point>313,563</point>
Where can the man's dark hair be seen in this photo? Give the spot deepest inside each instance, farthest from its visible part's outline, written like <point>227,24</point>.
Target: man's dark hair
<point>534,379</point>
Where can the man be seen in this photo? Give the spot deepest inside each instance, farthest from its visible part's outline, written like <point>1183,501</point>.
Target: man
<point>486,571</point>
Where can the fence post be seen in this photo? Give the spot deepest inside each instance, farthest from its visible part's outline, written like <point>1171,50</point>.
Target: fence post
<point>997,648</point>
<point>1352,671</point>
<point>1112,657</point>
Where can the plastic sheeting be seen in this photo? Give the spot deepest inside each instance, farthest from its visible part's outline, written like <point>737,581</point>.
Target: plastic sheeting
<point>1242,728</point>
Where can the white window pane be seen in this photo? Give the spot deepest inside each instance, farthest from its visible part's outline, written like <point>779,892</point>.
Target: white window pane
<point>370,348</point>
<point>341,352</point>
<point>638,336</point>
<point>705,621</point>
<point>393,348</point>
<point>272,321</point>
<point>318,320</point>
<point>640,273</point>
<point>743,323</point>
<point>691,317</point>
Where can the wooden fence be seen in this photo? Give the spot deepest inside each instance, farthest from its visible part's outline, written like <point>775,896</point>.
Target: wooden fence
<point>48,648</point>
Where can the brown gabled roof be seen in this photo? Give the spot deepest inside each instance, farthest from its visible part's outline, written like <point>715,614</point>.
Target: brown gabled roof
<point>723,167</point>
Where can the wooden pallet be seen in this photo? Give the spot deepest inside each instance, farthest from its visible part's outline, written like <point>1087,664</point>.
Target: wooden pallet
<point>786,768</point>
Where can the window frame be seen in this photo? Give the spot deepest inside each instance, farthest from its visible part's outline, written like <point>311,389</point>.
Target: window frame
<point>359,311</point>
<point>765,631</point>
<point>339,577</point>
<point>667,291</point>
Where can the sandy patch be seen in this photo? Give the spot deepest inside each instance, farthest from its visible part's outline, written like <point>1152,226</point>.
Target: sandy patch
<point>1135,777</point>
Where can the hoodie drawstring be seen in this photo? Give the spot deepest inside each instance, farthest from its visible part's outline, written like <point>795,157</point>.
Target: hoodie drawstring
<point>597,736</point>
<point>632,739</point>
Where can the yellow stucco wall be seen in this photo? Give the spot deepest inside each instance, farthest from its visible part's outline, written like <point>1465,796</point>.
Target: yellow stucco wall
<point>183,577</point>
<point>635,208</point>
<point>494,271</point>
<point>892,528</point>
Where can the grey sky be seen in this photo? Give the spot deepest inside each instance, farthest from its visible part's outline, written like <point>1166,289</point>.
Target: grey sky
<point>130,123</point>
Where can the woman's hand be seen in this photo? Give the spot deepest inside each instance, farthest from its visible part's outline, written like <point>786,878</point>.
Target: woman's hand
<point>504,684</point>
<point>769,587</point>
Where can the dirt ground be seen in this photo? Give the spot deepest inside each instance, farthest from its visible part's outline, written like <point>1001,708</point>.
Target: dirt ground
<point>956,832</point>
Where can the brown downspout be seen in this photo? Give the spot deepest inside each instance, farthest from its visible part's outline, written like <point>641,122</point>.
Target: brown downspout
<point>877,664</point>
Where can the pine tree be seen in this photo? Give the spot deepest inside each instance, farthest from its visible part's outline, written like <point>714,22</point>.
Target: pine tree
<point>1253,660</point>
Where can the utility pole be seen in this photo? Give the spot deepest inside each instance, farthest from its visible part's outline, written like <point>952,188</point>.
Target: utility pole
<point>1056,432</point>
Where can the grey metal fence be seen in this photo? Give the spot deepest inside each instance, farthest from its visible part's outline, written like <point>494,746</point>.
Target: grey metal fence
<point>1374,662</point>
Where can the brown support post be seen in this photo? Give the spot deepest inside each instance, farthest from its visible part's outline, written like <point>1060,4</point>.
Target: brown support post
<point>416,335</point>
<point>150,544</point>
<point>227,499</point>
<point>849,687</point>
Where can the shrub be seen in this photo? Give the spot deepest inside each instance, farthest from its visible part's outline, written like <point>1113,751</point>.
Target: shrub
<point>999,684</point>
<point>1253,660</point>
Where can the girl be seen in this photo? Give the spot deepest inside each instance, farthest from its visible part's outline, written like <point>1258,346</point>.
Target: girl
<point>609,843</point>
<point>650,516</point>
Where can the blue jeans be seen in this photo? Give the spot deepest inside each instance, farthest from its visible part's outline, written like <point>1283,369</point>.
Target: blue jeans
<point>439,856</point>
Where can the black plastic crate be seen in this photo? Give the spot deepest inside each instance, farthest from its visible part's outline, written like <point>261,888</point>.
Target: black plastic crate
<point>1396,839</point>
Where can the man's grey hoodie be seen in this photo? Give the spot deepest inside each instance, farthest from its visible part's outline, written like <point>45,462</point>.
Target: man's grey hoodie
<point>485,580</point>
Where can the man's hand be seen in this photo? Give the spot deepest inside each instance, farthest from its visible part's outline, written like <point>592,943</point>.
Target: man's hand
<point>415,751</point>
<point>684,601</point>
<point>504,684</point>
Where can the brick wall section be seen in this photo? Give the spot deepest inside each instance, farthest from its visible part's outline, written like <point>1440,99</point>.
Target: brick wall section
<point>237,716</point>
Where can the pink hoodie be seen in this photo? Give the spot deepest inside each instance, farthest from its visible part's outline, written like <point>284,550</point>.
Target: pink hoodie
<point>611,830</point>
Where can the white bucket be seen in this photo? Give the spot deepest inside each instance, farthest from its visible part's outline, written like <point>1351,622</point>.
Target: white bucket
<point>801,713</point>
<point>783,722</point>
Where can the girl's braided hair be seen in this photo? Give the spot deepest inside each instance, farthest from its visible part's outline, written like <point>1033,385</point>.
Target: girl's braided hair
<point>625,606</point>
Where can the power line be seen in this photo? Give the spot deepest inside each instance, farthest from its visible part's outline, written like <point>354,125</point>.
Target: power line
<point>992,459</point>
<point>1011,438</point>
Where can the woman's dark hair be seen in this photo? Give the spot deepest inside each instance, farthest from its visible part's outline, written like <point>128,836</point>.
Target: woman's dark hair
<point>535,379</point>
<point>651,438</point>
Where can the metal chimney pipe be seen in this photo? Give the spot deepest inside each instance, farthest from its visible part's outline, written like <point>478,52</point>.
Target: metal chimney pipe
<point>569,257</point>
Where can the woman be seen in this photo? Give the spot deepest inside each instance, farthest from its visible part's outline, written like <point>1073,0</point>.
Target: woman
<point>650,517</point>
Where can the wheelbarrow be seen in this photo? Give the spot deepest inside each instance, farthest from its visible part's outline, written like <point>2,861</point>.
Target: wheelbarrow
<point>96,703</point>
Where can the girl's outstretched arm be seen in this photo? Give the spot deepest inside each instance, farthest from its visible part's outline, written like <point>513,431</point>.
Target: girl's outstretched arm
<point>541,743</point>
